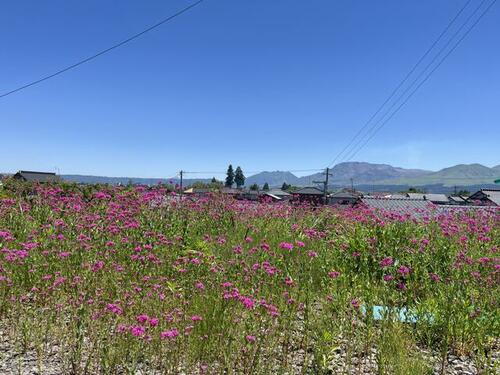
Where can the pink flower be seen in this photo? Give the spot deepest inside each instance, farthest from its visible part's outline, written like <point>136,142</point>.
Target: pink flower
<point>114,308</point>
<point>199,285</point>
<point>143,318</point>
<point>196,318</point>
<point>355,303</point>
<point>250,338</point>
<point>388,277</point>
<point>286,246</point>
<point>97,266</point>
<point>300,243</point>
<point>153,322</point>
<point>137,331</point>
<point>434,277</point>
<point>386,262</point>
<point>333,274</point>
<point>403,270</point>
<point>312,254</point>
<point>170,334</point>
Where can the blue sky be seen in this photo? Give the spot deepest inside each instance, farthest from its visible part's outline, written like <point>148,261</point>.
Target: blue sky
<point>265,84</point>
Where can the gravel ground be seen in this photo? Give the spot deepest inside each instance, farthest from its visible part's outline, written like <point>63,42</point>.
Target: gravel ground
<point>13,361</point>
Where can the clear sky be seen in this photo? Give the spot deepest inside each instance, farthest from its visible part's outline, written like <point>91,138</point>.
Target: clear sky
<point>265,84</point>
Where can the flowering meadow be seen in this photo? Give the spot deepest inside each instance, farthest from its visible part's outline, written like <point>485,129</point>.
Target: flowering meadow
<point>129,279</point>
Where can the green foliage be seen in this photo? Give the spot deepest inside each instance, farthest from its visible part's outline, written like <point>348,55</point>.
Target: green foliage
<point>239,177</point>
<point>229,176</point>
<point>254,187</point>
<point>266,187</point>
<point>285,186</point>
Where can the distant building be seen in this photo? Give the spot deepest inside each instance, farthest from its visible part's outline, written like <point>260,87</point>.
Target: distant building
<point>458,201</point>
<point>344,197</point>
<point>198,192</point>
<point>437,198</point>
<point>311,195</point>
<point>414,207</point>
<point>32,176</point>
<point>434,198</point>
<point>279,193</point>
<point>486,197</point>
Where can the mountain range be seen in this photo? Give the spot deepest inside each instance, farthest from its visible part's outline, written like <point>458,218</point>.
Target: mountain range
<point>361,173</point>
<point>384,174</point>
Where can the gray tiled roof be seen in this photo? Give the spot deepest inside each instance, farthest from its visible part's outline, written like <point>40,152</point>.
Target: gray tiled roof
<point>493,195</point>
<point>457,199</point>
<point>309,191</point>
<point>399,205</point>
<point>437,198</point>
<point>416,195</point>
<point>33,176</point>
<point>278,192</point>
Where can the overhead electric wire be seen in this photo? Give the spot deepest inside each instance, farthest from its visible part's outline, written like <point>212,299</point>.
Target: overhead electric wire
<point>424,80</point>
<point>412,70</point>
<point>81,62</point>
<point>415,81</point>
<point>254,172</point>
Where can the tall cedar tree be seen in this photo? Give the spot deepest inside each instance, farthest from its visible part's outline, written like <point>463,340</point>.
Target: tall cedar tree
<point>239,177</point>
<point>266,187</point>
<point>230,176</point>
<point>285,186</point>
<point>254,187</point>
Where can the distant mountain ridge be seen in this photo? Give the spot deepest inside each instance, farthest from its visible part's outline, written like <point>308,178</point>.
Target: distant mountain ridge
<point>360,173</point>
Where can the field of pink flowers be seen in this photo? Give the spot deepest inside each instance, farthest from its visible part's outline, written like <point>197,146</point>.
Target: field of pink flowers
<point>121,279</point>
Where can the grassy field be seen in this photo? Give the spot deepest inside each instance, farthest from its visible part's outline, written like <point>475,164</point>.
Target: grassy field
<point>124,279</point>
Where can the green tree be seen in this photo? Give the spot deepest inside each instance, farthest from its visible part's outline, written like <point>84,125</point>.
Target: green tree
<point>230,176</point>
<point>254,187</point>
<point>285,186</point>
<point>214,180</point>
<point>266,187</point>
<point>239,177</point>
<point>463,193</point>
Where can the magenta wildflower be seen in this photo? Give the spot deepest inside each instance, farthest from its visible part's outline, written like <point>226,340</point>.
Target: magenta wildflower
<point>286,245</point>
<point>170,334</point>
<point>250,338</point>
<point>333,274</point>
<point>386,262</point>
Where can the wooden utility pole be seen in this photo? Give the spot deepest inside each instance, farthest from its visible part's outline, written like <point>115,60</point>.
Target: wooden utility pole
<point>325,184</point>
<point>181,173</point>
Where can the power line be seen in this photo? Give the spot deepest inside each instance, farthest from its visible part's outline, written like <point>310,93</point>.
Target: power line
<point>81,62</point>
<point>415,81</point>
<point>424,80</point>
<point>412,70</point>
<point>255,172</point>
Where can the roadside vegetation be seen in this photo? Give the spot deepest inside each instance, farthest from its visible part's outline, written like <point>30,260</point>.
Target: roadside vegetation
<point>129,278</point>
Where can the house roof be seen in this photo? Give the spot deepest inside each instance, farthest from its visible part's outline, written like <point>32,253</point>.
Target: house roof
<point>458,199</point>
<point>415,195</point>
<point>492,194</point>
<point>436,198</point>
<point>442,198</point>
<point>33,176</point>
<point>401,205</point>
<point>444,208</point>
<point>278,192</point>
<point>309,191</point>
<point>344,195</point>
<point>230,191</point>
<point>272,196</point>
<point>196,191</point>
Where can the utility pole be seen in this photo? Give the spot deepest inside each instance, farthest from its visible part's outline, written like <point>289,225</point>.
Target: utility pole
<point>181,173</point>
<point>325,184</point>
